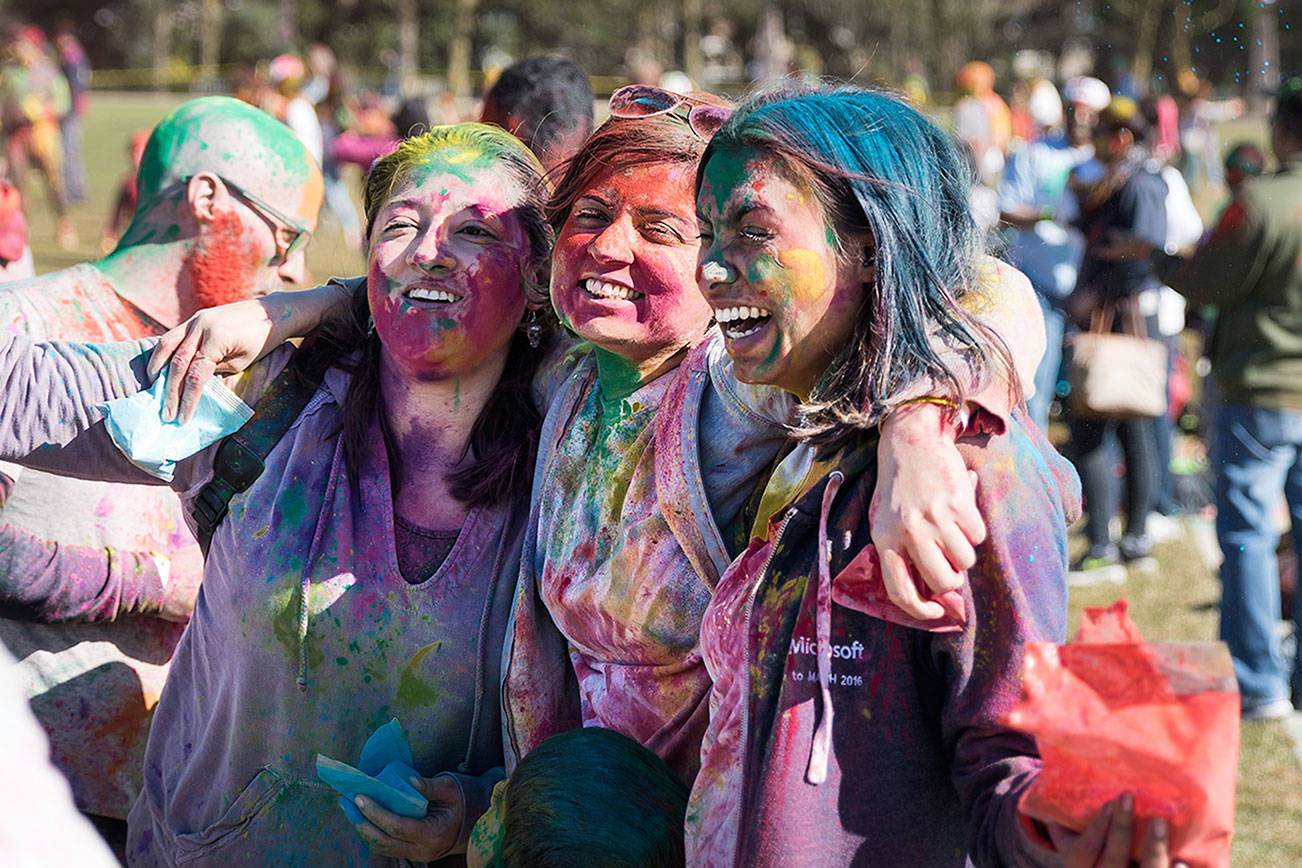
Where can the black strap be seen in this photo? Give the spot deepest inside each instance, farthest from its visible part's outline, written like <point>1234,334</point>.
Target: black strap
<point>239,459</point>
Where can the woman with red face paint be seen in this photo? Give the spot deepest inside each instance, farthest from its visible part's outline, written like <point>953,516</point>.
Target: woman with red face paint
<point>368,572</point>
<point>841,732</point>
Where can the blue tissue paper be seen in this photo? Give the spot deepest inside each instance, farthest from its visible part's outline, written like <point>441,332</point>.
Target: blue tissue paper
<point>136,425</point>
<point>381,775</point>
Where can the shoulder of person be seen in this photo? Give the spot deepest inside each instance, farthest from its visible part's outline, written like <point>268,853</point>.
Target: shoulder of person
<point>768,404</point>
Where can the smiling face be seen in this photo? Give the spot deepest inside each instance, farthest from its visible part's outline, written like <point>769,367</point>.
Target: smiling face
<point>623,271</point>
<point>444,276</point>
<point>784,300</point>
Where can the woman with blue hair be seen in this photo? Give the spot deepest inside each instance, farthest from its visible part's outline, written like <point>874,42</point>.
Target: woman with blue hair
<point>837,252</point>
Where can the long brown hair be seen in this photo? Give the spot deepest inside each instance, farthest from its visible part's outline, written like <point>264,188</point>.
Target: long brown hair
<point>504,438</point>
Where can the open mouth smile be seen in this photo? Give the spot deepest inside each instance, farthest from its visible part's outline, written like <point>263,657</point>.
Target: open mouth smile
<point>431,295</point>
<point>741,321</point>
<point>605,289</point>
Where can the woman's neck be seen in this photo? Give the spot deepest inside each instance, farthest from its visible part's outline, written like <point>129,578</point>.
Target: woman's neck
<point>429,421</point>
<point>621,376</point>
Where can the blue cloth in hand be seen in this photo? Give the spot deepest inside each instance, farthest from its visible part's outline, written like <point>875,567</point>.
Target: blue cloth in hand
<point>381,775</point>
<point>136,425</point>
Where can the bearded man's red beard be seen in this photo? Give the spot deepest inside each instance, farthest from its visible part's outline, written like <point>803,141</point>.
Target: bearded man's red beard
<point>222,267</point>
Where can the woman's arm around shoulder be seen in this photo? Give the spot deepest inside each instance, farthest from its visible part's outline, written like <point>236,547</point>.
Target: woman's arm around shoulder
<point>1017,594</point>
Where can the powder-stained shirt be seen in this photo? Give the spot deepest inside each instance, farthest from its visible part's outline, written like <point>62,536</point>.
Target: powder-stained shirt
<point>72,548</point>
<point>604,557</point>
<point>302,580</point>
<point>917,769</point>
<point>626,588</point>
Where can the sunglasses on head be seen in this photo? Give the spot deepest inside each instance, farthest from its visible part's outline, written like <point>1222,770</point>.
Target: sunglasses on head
<point>292,235</point>
<point>644,101</point>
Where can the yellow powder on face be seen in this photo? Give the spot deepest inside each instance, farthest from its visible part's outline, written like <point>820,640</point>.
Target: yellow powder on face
<point>309,204</point>
<point>807,272</point>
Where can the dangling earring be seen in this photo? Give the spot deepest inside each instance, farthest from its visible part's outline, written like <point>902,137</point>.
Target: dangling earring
<point>533,329</point>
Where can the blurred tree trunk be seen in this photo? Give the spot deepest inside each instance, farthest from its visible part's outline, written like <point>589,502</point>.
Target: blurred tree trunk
<point>408,34</point>
<point>1263,54</point>
<point>460,50</point>
<point>693,64</point>
<point>163,20</point>
<point>1181,39</point>
<point>1148,13</point>
<point>772,49</point>
<point>288,26</point>
<point>210,38</point>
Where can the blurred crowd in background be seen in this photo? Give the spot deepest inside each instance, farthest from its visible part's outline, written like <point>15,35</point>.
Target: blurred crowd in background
<point>1084,182</point>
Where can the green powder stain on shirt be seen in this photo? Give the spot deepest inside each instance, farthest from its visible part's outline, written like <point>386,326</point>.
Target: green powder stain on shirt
<point>617,376</point>
<point>413,689</point>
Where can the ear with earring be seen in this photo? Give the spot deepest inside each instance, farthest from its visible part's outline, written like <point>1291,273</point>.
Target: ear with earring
<point>533,328</point>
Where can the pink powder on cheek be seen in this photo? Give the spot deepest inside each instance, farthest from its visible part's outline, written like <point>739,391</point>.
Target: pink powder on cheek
<point>441,340</point>
<point>673,309</point>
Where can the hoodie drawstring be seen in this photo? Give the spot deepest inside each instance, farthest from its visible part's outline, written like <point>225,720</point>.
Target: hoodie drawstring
<point>821,747</point>
<point>305,584</point>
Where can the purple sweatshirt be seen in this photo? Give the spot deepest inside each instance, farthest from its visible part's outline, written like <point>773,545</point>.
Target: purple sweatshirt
<point>909,765</point>
<point>230,766</point>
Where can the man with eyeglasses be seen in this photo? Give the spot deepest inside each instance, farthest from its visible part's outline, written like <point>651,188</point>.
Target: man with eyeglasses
<point>1250,267</point>
<point>97,580</point>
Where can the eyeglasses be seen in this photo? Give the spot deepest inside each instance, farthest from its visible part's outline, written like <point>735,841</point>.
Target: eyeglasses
<point>292,235</point>
<point>644,101</point>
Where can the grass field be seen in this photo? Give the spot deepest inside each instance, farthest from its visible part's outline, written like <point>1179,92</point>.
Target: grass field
<point>1176,603</point>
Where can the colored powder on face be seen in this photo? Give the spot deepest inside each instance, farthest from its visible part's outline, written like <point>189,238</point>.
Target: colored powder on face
<point>461,162</point>
<point>433,341</point>
<point>226,265</point>
<point>806,277</point>
<point>726,171</point>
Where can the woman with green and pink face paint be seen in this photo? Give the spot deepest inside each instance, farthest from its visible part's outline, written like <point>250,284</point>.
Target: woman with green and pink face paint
<point>368,572</point>
<point>842,732</point>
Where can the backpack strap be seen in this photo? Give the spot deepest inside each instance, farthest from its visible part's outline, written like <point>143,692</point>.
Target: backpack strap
<point>239,459</point>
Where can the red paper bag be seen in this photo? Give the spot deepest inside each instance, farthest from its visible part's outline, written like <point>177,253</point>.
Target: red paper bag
<point>1112,714</point>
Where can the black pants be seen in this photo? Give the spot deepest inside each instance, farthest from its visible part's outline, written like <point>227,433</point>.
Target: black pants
<point>1095,461</point>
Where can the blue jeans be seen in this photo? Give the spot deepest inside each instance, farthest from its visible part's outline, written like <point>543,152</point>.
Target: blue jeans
<point>1257,451</point>
<point>1095,457</point>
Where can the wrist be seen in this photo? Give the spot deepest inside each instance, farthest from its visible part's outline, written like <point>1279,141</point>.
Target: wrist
<point>928,415</point>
